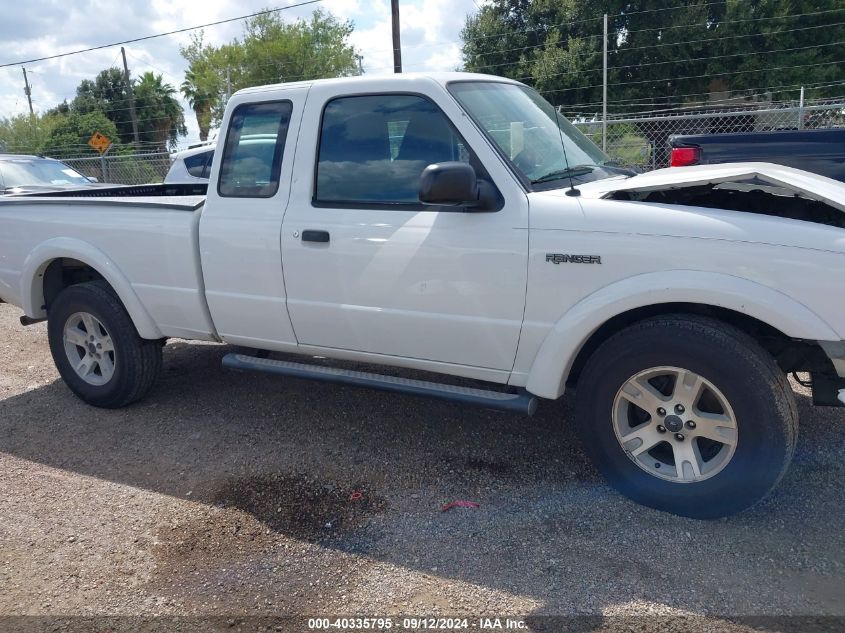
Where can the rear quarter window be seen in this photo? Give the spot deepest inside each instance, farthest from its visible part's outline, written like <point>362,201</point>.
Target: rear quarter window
<point>252,155</point>
<point>196,164</point>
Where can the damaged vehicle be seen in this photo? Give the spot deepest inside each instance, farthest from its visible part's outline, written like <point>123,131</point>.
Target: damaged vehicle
<point>455,224</point>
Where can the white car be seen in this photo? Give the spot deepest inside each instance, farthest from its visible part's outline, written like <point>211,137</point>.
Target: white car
<point>454,223</point>
<point>190,166</point>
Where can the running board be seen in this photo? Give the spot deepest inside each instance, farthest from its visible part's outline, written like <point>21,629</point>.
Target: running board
<point>522,402</point>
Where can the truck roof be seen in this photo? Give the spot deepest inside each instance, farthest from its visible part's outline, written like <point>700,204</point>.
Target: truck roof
<point>359,80</point>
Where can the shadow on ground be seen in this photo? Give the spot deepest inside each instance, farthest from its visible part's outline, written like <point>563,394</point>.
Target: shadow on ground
<point>365,473</point>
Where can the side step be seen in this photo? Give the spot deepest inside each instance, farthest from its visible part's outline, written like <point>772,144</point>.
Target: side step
<point>522,402</point>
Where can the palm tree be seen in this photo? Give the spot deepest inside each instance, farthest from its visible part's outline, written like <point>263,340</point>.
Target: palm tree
<point>160,117</point>
<point>201,95</point>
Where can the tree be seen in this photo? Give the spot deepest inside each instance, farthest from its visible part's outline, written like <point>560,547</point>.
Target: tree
<point>200,100</point>
<point>662,53</point>
<point>202,86</point>
<point>69,137</point>
<point>25,134</point>
<point>108,94</point>
<point>275,51</point>
<point>160,117</point>
<point>271,51</point>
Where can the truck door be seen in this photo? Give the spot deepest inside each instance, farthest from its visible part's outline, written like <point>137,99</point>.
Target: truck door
<point>240,225</point>
<point>370,269</point>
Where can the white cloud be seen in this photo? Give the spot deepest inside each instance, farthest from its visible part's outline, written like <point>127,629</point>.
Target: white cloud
<point>430,40</point>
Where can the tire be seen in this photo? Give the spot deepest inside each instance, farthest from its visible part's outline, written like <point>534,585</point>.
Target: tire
<point>128,365</point>
<point>735,442</point>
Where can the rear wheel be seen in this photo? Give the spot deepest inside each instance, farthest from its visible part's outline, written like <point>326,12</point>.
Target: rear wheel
<point>687,415</point>
<point>97,350</point>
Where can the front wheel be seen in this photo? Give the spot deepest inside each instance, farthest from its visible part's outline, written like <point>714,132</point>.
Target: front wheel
<point>97,349</point>
<point>688,415</point>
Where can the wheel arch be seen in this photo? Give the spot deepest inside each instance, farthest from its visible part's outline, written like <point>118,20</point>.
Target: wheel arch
<point>763,312</point>
<point>44,275</point>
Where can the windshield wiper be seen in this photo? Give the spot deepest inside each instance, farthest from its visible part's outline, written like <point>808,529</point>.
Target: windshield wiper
<point>569,172</point>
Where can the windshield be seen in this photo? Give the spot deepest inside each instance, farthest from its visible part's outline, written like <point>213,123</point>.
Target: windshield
<point>21,172</point>
<point>528,131</point>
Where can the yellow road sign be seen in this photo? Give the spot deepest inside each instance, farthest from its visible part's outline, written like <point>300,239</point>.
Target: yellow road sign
<point>99,142</point>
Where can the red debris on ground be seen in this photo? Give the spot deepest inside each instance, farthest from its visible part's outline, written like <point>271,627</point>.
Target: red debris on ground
<point>460,504</point>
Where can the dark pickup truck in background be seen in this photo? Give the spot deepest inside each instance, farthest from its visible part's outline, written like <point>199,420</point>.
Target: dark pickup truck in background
<point>819,151</point>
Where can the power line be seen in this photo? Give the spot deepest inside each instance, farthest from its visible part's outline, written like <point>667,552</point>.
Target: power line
<point>729,37</point>
<point>640,65</point>
<point>646,81</point>
<point>675,8</point>
<point>721,22</point>
<point>662,44</point>
<point>659,28</point>
<point>635,48</point>
<point>698,59</point>
<point>150,37</point>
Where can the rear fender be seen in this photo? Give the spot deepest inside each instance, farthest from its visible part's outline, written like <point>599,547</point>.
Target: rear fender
<point>32,280</point>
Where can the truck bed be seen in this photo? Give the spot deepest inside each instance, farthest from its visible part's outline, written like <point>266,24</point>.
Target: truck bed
<point>153,190</point>
<point>145,236</point>
<point>817,151</point>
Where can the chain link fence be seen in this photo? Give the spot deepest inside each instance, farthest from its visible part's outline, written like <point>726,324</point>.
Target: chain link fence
<point>131,169</point>
<point>642,142</point>
<point>645,141</point>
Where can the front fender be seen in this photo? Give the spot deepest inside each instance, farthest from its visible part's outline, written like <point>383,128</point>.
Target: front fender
<point>32,280</point>
<point>551,367</point>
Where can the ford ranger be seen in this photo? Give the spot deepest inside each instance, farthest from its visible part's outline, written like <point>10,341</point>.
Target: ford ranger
<point>457,225</point>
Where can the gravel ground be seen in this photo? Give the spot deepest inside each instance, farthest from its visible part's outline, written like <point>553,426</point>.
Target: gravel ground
<point>232,495</point>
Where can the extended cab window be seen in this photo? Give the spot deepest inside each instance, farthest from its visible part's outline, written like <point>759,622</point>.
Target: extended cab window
<point>373,149</point>
<point>252,155</point>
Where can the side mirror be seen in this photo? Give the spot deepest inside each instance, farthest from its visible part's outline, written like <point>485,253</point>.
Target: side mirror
<point>93,179</point>
<point>449,183</point>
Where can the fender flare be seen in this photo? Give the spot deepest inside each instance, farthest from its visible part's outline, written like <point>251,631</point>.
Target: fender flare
<point>553,362</point>
<point>32,280</point>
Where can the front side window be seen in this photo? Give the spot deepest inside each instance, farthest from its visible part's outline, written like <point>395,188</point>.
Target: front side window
<point>374,148</point>
<point>541,144</point>
<point>252,155</point>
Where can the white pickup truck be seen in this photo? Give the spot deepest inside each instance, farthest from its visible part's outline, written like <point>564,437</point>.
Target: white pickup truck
<point>455,224</point>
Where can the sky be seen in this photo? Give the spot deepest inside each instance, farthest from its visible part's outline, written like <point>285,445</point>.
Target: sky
<point>430,39</point>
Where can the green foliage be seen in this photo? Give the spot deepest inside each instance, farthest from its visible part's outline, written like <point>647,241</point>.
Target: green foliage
<point>23,134</point>
<point>661,53</point>
<point>108,94</point>
<point>203,84</point>
<point>160,117</point>
<point>271,51</point>
<point>70,134</point>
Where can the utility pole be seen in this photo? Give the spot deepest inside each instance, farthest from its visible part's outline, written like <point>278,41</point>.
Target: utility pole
<point>28,92</point>
<point>397,44</point>
<point>131,94</point>
<point>228,85</point>
<point>604,93</point>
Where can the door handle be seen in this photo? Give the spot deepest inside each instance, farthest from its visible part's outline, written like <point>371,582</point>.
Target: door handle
<point>315,236</point>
